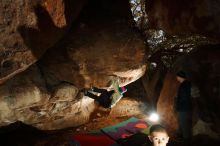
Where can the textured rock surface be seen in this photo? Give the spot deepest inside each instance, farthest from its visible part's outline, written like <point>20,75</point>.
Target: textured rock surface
<point>96,53</point>
<point>129,107</point>
<point>25,98</point>
<point>21,93</point>
<point>28,29</point>
<point>100,47</point>
<point>165,104</point>
<point>93,53</point>
<point>153,84</point>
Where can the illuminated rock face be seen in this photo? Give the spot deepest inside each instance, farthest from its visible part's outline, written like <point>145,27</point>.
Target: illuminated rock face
<point>96,50</point>
<point>56,102</point>
<point>95,54</point>
<point>46,94</point>
<point>25,98</point>
<point>29,28</point>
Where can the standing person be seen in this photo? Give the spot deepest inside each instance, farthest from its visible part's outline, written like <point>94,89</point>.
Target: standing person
<point>158,135</point>
<point>184,107</point>
<point>107,99</point>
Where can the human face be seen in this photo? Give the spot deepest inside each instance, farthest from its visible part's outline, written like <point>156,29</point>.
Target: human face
<point>159,138</point>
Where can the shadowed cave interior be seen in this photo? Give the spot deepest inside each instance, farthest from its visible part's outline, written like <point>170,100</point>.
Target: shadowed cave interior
<point>51,50</point>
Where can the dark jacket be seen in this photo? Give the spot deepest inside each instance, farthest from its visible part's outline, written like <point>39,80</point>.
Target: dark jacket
<point>183,99</point>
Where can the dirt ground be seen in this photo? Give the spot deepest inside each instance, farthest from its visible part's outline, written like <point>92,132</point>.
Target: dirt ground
<point>19,134</point>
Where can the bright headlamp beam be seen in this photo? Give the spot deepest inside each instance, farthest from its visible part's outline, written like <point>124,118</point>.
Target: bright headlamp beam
<point>154,117</point>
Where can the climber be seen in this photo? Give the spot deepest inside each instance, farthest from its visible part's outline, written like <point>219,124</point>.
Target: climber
<point>106,98</point>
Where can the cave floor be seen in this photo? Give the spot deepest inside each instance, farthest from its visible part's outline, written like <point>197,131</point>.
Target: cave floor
<point>100,118</point>
<point>19,134</point>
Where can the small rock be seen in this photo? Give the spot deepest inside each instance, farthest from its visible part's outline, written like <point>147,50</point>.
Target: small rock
<point>85,128</point>
<point>99,115</point>
<point>78,129</point>
<point>94,120</point>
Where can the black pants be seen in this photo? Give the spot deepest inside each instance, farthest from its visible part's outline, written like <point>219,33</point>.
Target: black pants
<point>104,99</point>
<point>185,125</point>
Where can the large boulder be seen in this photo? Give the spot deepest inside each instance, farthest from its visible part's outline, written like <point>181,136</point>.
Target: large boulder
<point>21,93</point>
<point>47,94</point>
<point>94,54</point>
<point>28,99</point>
<point>25,98</point>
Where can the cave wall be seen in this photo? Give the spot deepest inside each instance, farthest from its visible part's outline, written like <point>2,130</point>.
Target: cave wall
<point>29,28</point>
<point>185,17</point>
<point>202,68</point>
<point>77,44</point>
<point>66,46</point>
